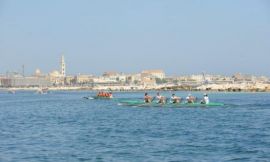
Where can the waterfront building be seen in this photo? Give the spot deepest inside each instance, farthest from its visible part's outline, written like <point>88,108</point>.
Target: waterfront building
<point>155,73</point>
<point>1,78</point>
<point>197,78</point>
<point>171,80</point>
<point>262,79</point>
<point>115,77</point>
<point>103,79</point>
<point>238,77</point>
<point>110,74</point>
<point>70,80</point>
<point>148,82</point>
<point>84,79</point>
<point>13,74</point>
<point>56,78</point>
<point>134,79</point>
<point>25,82</point>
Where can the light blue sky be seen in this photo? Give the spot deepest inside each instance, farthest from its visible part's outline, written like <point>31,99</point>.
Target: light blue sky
<point>179,36</point>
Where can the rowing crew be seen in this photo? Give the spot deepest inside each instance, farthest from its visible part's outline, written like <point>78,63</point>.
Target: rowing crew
<point>174,99</point>
<point>105,94</point>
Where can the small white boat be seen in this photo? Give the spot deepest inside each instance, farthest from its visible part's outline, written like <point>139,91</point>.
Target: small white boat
<point>42,91</point>
<point>11,91</point>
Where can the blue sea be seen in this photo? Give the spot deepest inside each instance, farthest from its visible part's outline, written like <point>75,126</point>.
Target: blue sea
<point>62,127</point>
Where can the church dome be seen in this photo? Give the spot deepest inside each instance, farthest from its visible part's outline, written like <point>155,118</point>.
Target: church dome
<point>37,72</point>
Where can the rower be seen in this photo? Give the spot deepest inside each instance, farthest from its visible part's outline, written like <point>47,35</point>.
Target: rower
<point>205,99</point>
<point>160,99</point>
<point>147,98</point>
<point>101,94</point>
<point>190,98</point>
<point>175,99</point>
<point>110,95</point>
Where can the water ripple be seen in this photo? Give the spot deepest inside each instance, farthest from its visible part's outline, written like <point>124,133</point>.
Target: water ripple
<point>64,127</point>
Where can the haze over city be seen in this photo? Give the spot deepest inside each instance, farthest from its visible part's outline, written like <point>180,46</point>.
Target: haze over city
<point>180,37</point>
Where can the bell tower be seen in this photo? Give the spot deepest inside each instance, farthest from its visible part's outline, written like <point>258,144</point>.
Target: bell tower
<point>63,66</point>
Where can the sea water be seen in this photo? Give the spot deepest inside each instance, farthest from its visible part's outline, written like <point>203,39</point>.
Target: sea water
<point>62,126</point>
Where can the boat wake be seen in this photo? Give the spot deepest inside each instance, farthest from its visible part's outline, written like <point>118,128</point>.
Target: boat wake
<point>88,98</point>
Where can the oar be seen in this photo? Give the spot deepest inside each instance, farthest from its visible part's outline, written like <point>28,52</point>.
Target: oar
<point>167,99</point>
<point>153,98</point>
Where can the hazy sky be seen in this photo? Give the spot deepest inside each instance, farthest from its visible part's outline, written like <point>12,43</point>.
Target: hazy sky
<point>179,36</point>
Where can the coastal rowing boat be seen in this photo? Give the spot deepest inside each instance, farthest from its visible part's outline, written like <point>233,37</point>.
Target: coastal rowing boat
<point>97,97</point>
<point>140,103</point>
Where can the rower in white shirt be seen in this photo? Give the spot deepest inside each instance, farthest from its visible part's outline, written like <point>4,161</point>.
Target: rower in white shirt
<point>160,99</point>
<point>205,99</point>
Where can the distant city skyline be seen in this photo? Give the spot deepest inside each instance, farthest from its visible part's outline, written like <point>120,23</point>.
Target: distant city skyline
<point>179,37</point>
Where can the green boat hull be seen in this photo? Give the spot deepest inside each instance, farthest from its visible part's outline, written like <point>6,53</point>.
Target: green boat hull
<point>154,104</point>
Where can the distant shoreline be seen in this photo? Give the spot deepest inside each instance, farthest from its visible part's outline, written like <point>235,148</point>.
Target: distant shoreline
<point>135,90</point>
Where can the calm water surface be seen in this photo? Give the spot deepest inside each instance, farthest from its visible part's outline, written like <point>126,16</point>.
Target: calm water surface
<point>61,126</point>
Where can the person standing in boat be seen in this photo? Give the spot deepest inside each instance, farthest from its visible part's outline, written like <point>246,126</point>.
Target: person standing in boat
<point>175,99</point>
<point>147,98</point>
<point>160,99</point>
<point>205,99</point>
<point>190,98</point>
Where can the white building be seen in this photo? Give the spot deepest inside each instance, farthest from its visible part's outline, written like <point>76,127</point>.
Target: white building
<point>22,81</point>
<point>134,78</point>
<point>104,80</point>
<point>115,77</point>
<point>58,77</point>
<point>81,79</point>
<point>154,73</point>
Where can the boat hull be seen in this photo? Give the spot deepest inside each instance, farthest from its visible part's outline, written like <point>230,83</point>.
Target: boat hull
<point>98,98</point>
<point>154,104</point>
